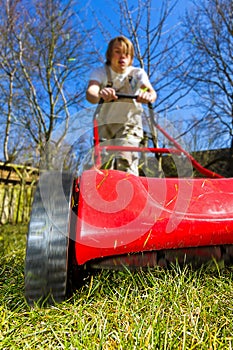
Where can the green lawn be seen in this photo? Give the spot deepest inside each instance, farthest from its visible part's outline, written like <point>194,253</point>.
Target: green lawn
<point>159,309</point>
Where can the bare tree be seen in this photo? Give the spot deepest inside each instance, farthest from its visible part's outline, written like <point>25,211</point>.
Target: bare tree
<point>47,45</point>
<point>208,30</point>
<point>8,68</point>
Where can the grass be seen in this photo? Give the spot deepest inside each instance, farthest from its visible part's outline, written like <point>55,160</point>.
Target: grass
<point>157,309</point>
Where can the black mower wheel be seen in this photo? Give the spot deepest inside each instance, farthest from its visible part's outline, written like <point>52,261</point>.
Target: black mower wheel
<point>46,265</point>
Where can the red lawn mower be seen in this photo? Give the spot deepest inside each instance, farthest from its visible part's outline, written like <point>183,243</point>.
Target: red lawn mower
<point>111,219</point>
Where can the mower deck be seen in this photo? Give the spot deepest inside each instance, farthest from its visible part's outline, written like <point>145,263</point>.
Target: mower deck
<point>120,214</point>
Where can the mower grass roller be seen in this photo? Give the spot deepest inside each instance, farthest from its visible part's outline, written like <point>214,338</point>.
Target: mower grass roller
<point>111,219</point>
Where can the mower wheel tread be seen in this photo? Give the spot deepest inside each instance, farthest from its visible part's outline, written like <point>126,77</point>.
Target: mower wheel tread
<point>48,239</point>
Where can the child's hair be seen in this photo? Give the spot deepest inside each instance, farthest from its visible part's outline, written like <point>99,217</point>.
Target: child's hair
<point>127,45</point>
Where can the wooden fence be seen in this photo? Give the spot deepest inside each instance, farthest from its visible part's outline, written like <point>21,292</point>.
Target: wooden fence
<point>17,185</point>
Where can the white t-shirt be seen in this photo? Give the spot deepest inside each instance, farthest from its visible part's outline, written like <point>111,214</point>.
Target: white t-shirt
<point>139,78</point>
<point>126,113</point>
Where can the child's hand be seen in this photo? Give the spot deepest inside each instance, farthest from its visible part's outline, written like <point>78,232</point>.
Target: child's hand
<point>108,94</point>
<point>144,96</point>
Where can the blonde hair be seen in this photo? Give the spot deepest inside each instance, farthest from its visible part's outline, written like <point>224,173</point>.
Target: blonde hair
<point>127,45</point>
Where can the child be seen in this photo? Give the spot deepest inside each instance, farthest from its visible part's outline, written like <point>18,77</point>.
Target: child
<point>120,120</point>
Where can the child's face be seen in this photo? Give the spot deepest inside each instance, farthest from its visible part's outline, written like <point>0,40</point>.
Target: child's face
<point>120,58</point>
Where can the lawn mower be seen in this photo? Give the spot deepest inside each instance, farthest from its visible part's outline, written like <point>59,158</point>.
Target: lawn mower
<point>110,219</point>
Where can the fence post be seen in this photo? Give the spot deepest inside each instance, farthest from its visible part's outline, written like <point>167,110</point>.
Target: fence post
<point>17,184</point>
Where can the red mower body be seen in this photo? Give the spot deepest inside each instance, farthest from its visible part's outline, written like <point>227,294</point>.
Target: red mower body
<point>120,213</point>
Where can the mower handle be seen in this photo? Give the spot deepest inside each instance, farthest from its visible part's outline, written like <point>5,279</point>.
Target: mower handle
<point>119,95</point>
<point>133,97</point>
<point>122,95</point>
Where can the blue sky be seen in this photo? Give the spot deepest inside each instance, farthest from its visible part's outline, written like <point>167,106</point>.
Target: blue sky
<point>106,12</point>
<point>106,7</point>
